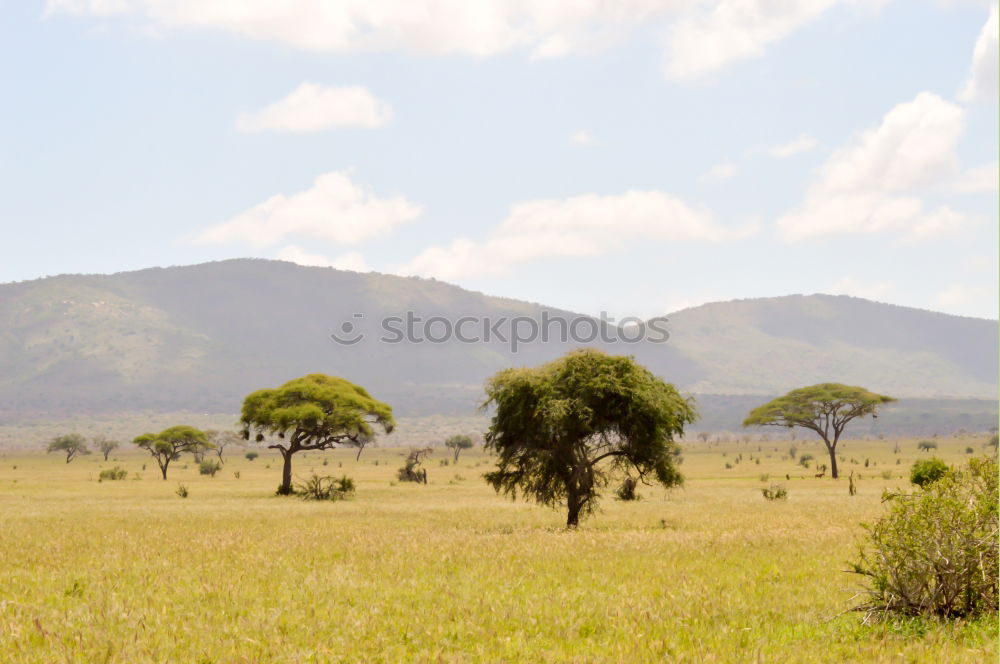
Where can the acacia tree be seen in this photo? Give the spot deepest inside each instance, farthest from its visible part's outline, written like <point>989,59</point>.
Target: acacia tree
<point>70,444</point>
<point>220,440</point>
<point>561,429</point>
<point>825,408</point>
<point>169,444</point>
<point>105,446</point>
<point>457,443</point>
<point>314,412</point>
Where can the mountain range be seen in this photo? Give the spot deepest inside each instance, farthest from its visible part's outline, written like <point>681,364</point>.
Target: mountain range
<point>199,337</point>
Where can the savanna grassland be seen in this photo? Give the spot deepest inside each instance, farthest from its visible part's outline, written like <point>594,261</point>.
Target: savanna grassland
<point>128,571</point>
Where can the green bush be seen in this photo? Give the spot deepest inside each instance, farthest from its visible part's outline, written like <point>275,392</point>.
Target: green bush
<point>805,459</point>
<point>115,473</point>
<point>775,492</point>
<point>209,468</point>
<point>250,456</point>
<point>928,471</point>
<point>182,491</point>
<point>627,490</point>
<point>935,553</point>
<point>325,488</point>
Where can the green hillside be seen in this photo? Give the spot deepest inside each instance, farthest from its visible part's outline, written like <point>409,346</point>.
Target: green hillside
<point>198,338</point>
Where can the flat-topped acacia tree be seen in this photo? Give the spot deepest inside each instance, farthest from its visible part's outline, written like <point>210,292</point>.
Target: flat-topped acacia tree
<point>554,425</point>
<point>168,445</point>
<point>314,412</point>
<point>825,408</point>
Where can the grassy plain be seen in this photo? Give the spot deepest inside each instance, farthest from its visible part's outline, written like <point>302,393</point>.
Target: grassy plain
<point>127,571</point>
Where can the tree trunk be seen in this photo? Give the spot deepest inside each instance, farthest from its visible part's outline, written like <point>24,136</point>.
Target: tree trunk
<point>832,449</point>
<point>573,503</point>
<point>286,474</point>
<point>361,448</point>
<point>457,450</point>
<point>106,455</point>
<point>163,469</point>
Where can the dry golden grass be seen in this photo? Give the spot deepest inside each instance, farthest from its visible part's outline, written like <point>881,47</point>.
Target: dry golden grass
<point>127,571</point>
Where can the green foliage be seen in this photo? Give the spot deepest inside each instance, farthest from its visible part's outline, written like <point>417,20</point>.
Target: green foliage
<point>325,488</point>
<point>926,445</point>
<point>315,411</point>
<point>168,445</point>
<point>774,492</point>
<point>250,456</point>
<point>182,491</point>
<point>935,553</point>
<point>928,471</point>
<point>805,459</point>
<point>457,443</point>
<point>554,425</point>
<point>70,444</point>
<point>209,467</point>
<point>115,473</point>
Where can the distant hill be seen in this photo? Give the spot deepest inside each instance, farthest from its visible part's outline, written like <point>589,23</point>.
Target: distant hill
<point>198,338</point>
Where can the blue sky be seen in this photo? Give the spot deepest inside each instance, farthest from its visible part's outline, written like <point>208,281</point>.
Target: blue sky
<point>629,156</point>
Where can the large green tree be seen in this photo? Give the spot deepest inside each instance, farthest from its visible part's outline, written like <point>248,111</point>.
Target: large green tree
<point>314,412</point>
<point>169,444</point>
<point>560,430</point>
<point>825,408</point>
<point>70,444</point>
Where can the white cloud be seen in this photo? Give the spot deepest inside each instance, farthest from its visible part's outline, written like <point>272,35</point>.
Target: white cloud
<point>867,187</point>
<point>587,225</point>
<point>803,143</point>
<point>877,291</point>
<point>474,27</point>
<point>982,82</point>
<point>704,36</point>
<point>313,107</point>
<point>582,137</point>
<point>352,260</point>
<point>334,209</point>
<point>722,171</point>
<point>978,180</point>
<point>968,300</point>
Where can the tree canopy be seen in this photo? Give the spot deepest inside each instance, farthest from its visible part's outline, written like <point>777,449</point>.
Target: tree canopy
<point>314,412</point>
<point>169,444</point>
<point>71,444</point>
<point>457,443</point>
<point>825,408</point>
<point>554,425</point>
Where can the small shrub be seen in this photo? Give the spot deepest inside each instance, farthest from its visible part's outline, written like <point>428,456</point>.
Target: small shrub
<point>250,456</point>
<point>763,477</point>
<point>928,471</point>
<point>935,553</point>
<point>729,466</point>
<point>236,474</point>
<point>926,445</point>
<point>969,450</point>
<point>115,473</point>
<point>805,459</point>
<point>182,491</point>
<point>627,490</point>
<point>209,468</point>
<point>325,488</point>
<point>887,474</point>
<point>775,492</point>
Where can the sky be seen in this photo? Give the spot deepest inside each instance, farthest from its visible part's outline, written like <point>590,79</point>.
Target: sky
<point>633,157</point>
